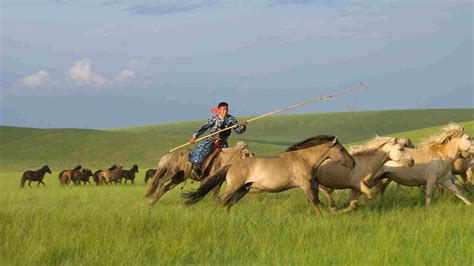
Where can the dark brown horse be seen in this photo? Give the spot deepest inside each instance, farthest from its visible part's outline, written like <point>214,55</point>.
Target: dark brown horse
<point>81,175</point>
<point>36,176</point>
<point>67,175</point>
<point>95,177</point>
<point>129,174</point>
<point>149,174</point>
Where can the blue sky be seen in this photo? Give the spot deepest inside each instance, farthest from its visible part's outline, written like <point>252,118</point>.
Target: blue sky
<point>118,63</point>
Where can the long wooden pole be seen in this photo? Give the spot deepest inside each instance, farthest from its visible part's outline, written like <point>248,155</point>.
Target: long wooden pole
<point>360,87</point>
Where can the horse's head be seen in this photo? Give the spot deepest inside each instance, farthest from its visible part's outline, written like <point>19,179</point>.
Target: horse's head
<point>405,142</point>
<point>46,169</point>
<point>465,143</point>
<point>86,171</point>
<point>113,167</point>
<point>395,148</point>
<point>338,153</point>
<point>244,150</point>
<point>135,168</point>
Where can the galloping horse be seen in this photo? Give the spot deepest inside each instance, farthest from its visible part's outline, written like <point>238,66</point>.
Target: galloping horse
<point>176,167</point>
<point>36,176</point>
<point>369,158</point>
<point>149,174</point>
<point>433,163</point>
<point>293,168</point>
<point>82,175</point>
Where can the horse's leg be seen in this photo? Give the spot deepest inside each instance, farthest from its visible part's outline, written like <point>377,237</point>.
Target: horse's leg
<point>227,194</point>
<point>133,182</point>
<point>215,192</point>
<point>159,188</point>
<point>469,174</point>
<point>328,195</point>
<point>310,187</point>
<point>428,192</point>
<point>449,184</point>
<point>366,190</point>
<point>176,180</point>
<point>29,183</point>
<point>39,183</point>
<point>353,201</point>
<point>43,183</point>
<point>237,195</point>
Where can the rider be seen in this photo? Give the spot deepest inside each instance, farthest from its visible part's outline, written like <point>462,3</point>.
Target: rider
<point>220,119</point>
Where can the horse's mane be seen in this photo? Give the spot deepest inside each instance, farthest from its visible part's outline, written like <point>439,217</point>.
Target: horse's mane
<point>370,146</point>
<point>452,130</point>
<point>113,167</point>
<point>77,168</point>
<point>307,143</point>
<point>238,147</point>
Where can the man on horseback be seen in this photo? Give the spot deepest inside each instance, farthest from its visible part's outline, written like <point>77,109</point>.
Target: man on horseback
<point>220,119</point>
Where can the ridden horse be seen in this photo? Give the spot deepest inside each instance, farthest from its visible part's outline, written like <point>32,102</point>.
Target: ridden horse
<point>129,174</point>
<point>149,174</point>
<point>36,176</point>
<point>176,167</point>
<point>369,158</point>
<point>433,163</point>
<point>290,169</point>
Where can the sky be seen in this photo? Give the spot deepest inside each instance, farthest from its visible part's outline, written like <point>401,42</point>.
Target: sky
<point>120,63</point>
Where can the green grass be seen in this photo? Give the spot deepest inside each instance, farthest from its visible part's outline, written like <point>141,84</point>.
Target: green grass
<point>114,224</point>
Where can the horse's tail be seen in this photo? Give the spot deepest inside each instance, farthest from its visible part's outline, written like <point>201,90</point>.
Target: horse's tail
<point>160,171</point>
<point>213,181</point>
<point>23,180</point>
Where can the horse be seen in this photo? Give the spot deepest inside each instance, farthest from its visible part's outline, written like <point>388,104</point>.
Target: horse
<point>36,176</point>
<point>66,175</point>
<point>433,163</point>
<point>369,158</point>
<point>129,174</point>
<point>293,168</point>
<point>149,174</point>
<point>96,178</point>
<point>176,167</point>
<point>81,175</point>
<point>110,175</point>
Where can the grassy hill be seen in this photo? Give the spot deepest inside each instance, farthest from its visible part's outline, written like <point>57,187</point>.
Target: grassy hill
<point>61,148</point>
<point>114,225</point>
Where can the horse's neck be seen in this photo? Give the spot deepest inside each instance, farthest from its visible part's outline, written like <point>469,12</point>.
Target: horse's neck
<point>313,156</point>
<point>449,151</point>
<point>376,160</point>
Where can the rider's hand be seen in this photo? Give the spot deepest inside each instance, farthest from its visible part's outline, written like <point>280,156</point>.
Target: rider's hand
<point>244,124</point>
<point>192,140</point>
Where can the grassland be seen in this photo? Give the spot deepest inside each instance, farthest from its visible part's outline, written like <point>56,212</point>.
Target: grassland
<point>114,225</point>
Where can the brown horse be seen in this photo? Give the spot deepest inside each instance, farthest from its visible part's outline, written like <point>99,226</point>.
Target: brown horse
<point>96,178</point>
<point>176,167</point>
<point>81,175</point>
<point>110,175</point>
<point>66,175</point>
<point>293,168</point>
<point>36,176</point>
<point>149,174</point>
<point>464,167</point>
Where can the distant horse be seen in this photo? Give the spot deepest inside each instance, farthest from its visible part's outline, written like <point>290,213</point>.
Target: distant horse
<point>369,158</point>
<point>176,167</point>
<point>82,175</point>
<point>149,174</point>
<point>66,175</point>
<point>129,174</point>
<point>95,177</point>
<point>433,163</point>
<point>36,176</point>
<point>293,168</point>
<point>110,175</point>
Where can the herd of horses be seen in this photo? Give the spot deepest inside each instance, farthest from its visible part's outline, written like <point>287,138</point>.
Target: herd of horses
<point>79,175</point>
<point>317,164</point>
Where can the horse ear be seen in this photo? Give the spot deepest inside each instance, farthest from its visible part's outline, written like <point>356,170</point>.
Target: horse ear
<point>334,141</point>
<point>394,140</point>
<point>462,128</point>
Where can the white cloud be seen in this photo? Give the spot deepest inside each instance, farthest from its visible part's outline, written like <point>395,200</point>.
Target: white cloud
<point>124,76</point>
<point>38,79</point>
<point>81,74</point>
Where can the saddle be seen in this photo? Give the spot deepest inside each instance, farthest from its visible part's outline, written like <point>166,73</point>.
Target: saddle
<point>206,169</point>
